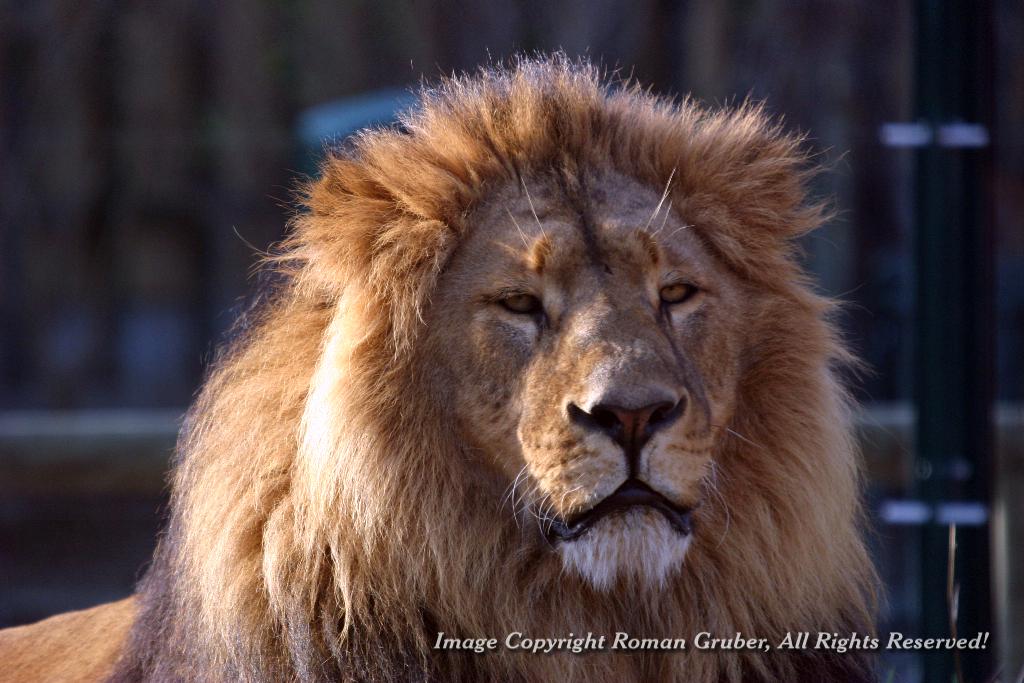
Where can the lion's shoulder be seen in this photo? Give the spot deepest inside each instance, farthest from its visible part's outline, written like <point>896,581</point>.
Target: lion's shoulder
<point>76,646</point>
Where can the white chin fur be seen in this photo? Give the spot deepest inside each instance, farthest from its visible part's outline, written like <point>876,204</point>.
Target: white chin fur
<point>638,545</point>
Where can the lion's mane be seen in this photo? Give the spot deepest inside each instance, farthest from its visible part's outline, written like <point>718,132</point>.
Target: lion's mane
<point>297,554</point>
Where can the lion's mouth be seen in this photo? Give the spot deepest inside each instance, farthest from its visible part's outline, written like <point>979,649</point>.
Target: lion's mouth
<point>633,493</point>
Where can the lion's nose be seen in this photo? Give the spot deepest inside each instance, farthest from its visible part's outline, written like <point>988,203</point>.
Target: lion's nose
<point>628,427</point>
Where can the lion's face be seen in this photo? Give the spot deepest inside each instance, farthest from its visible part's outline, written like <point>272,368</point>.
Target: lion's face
<point>591,346</point>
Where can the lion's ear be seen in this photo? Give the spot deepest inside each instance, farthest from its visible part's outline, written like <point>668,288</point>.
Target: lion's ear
<point>359,240</point>
<point>333,239</point>
<point>743,182</point>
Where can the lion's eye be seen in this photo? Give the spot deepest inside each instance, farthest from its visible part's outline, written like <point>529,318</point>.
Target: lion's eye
<point>521,303</point>
<point>677,293</point>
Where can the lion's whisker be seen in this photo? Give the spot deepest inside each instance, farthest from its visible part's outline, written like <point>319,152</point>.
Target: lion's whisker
<point>664,220</point>
<point>522,234</point>
<point>532,209</point>
<point>561,501</point>
<point>544,512</point>
<point>681,227</point>
<point>507,492</point>
<point>522,494</point>
<point>540,522</point>
<point>515,482</point>
<point>738,435</point>
<point>511,496</point>
<point>664,195</point>
<point>546,507</point>
<point>712,486</point>
<point>525,507</point>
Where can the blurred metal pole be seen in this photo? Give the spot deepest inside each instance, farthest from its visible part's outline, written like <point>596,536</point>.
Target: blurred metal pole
<point>953,373</point>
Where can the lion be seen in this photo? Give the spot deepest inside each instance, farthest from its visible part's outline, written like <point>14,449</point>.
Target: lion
<point>540,362</point>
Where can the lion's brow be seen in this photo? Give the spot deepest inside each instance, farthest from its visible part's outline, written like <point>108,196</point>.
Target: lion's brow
<point>539,253</point>
<point>649,245</point>
<point>574,199</point>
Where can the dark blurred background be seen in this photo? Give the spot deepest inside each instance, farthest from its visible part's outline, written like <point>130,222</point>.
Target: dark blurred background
<point>148,151</point>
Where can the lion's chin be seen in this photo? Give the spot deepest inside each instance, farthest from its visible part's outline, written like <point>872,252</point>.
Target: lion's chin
<point>637,545</point>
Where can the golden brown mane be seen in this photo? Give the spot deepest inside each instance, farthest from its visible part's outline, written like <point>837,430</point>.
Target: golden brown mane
<point>298,554</point>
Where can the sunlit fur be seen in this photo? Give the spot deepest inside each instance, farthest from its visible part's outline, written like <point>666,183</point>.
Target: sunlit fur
<point>324,521</point>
